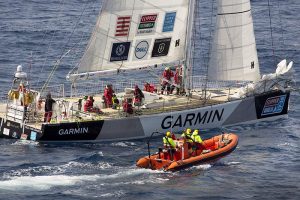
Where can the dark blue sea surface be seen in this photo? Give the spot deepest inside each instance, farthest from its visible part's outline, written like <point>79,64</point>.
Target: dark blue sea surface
<point>266,164</point>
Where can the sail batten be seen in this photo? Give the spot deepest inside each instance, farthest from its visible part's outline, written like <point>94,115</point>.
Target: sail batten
<point>136,33</point>
<point>234,54</point>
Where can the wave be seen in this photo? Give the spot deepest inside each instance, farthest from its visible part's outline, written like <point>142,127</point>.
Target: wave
<point>40,183</point>
<point>25,143</point>
<point>123,144</point>
<point>70,167</point>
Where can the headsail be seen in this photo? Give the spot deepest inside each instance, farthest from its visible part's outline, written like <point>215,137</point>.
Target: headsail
<point>134,34</point>
<point>234,54</point>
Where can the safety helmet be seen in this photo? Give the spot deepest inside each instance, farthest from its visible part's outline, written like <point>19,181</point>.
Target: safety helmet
<point>196,132</point>
<point>188,130</point>
<point>167,68</point>
<point>168,134</point>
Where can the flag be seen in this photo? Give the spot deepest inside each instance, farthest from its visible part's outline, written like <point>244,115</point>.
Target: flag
<point>123,26</point>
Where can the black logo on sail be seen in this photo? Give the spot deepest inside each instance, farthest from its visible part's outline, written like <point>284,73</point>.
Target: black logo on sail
<point>120,51</point>
<point>161,47</point>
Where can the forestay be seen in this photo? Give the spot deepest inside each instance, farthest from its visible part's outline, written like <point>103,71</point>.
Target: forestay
<point>234,54</point>
<point>135,34</point>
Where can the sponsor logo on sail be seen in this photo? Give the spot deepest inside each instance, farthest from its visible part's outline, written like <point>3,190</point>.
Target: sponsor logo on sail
<point>161,47</point>
<point>169,22</point>
<point>6,131</point>
<point>147,24</point>
<point>73,131</point>
<point>14,135</point>
<point>123,26</point>
<point>120,51</point>
<point>33,135</point>
<point>274,105</point>
<point>192,119</point>
<point>141,49</point>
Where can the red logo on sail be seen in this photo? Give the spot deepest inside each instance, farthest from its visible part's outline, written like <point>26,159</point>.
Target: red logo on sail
<point>123,26</point>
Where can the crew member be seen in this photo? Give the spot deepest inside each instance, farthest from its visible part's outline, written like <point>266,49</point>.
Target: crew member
<point>138,96</point>
<point>115,102</point>
<point>48,108</point>
<point>108,94</point>
<point>197,139</point>
<point>169,144</point>
<point>167,75</point>
<point>187,135</point>
<point>127,106</point>
<point>168,141</point>
<point>88,105</point>
<point>149,87</point>
<point>177,81</point>
<point>22,91</point>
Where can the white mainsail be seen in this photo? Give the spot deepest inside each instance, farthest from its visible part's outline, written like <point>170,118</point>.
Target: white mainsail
<point>234,54</point>
<point>135,34</point>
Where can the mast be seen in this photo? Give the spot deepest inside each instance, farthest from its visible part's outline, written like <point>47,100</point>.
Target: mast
<point>187,71</point>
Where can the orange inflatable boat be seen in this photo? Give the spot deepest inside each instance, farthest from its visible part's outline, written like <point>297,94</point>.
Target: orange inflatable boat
<point>189,154</point>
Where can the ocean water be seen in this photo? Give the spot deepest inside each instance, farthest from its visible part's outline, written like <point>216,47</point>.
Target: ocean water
<point>266,164</point>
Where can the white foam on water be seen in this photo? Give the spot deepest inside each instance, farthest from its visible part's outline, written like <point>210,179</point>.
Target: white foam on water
<point>287,144</point>
<point>203,167</point>
<point>56,170</point>
<point>117,194</point>
<point>25,143</point>
<point>123,144</point>
<point>100,153</point>
<point>40,183</point>
<point>74,164</point>
<point>233,163</point>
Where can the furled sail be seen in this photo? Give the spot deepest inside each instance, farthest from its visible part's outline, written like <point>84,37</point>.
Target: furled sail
<point>234,54</point>
<point>135,34</point>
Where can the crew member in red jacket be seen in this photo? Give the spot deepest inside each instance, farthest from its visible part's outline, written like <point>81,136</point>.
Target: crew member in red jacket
<point>108,94</point>
<point>88,105</point>
<point>167,75</point>
<point>177,80</point>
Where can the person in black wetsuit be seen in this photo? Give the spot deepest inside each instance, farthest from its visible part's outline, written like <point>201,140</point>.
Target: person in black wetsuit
<point>48,108</point>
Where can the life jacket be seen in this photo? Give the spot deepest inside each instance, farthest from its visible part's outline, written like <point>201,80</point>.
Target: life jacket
<point>197,138</point>
<point>177,78</point>
<point>127,107</point>
<point>88,105</point>
<point>115,100</point>
<point>187,136</point>
<point>169,142</point>
<point>168,75</point>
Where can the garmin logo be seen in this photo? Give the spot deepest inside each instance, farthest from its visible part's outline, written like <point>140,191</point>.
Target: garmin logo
<point>192,119</point>
<point>73,131</point>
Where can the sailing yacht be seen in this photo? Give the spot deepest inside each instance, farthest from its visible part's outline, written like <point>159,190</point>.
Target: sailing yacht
<point>146,35</point>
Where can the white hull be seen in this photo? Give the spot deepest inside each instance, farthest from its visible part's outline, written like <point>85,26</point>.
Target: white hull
<point>251,109</point>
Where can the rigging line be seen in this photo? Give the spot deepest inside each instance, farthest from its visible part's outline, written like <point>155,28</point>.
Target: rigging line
<point>76,53</point>
<point>49,46</point>
<point>197,32</point>
<point>281,27</point>
<point>209,52</point>
<point>43,38</point>
<point>63,50</point>
<point>271,31</point>
<point>92,35</point>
